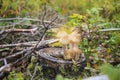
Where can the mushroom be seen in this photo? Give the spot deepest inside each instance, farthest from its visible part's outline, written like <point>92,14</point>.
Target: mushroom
<point>68,54</point>
<point>61,34</point>
<point>77,53</point>
<point>64,39</point>
<point>74,38</point>
<point>70,41</point>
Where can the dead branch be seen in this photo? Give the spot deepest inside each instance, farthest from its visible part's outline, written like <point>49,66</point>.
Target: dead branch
<point>45,27</point>
<point>5,68</point>
<point>110,29</point>
<point>41,45</point>
<point>16,54</point>
<point>30,44</point>
<point>37,46</point>
<point>19,30</point>
<point>27,44</point>
<point>8,67</point>
<point>34,73</point>
<point>13,24</point>
<point>29,19</point>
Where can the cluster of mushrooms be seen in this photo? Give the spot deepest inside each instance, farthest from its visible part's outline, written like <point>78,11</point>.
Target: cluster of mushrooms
<point>70,40</point>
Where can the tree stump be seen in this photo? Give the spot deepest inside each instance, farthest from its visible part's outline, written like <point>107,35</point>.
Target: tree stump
<point>53,57</point>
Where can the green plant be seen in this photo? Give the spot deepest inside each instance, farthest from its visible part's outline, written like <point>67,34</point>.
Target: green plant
<point>76,19</point>
<point>60,77</point>
<point>16,76</point>
<point>32,69</point>
<point>14,8</point>
<point>112,72</point>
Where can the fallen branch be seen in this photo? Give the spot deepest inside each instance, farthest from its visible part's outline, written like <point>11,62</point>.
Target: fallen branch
<point>41,45</point>
<point>29,19</point>
<point>110,29</point>
<point>5,68</point>
<point>13,24</point>
<point>16,54</point>
<point>37,46</point>
<point>34,73</point>
<point>19,30</point>
<point>30,44</point>
<point>45,27</point>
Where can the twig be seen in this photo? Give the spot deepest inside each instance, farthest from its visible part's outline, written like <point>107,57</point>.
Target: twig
<point>5,62</point>
<point>27,44</point>
<point>110,29</point>
<point>6,67</point>
<point>13,24</point>
<point>30,44</point>
<point>7,19</point>
<point>44,33</point>
<point>12,28</point>
<point>35,70</point>
<point>28,53</point>
<point>43,43</point>
<point>19,30</point>
<point>29,73</point>
<point>16,54</point>
<point>104,30</point>
<point>43,18</point>
<point>45,27</point>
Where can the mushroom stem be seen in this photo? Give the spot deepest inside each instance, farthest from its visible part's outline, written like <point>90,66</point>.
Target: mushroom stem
<point>65,49</point>
<point>71,45</point>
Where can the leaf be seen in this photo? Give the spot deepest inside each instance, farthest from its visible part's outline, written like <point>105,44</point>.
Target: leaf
<point>111,71</point>
<point>59,77</point>
<point>56,44</point>
<point>108,50</point>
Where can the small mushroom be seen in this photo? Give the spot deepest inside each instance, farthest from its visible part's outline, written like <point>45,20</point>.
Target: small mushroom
<point>77,53</point>
<point>70,43</point>
<point>69,54</point>
<point>61,34</point>
<point>74,37</point>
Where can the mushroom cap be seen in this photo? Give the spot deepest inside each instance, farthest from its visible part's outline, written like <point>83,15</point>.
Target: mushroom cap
<point>74,37</point>
<point>64,40</point>
<point>63,37</point>
<point>61,34</point>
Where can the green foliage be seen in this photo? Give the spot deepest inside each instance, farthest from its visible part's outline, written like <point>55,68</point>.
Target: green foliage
<point>32,64</point>
<point>13,8</point>
<point>16,76</point>
<point>32,8</point>
<point>115,37</point>
<point>94,14</point>
<point>74,67</point>
<point>76,19</point>
<point>32,68</point>
<point>60,77</point>
<point>69,6</point>
<point>112,72</point>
